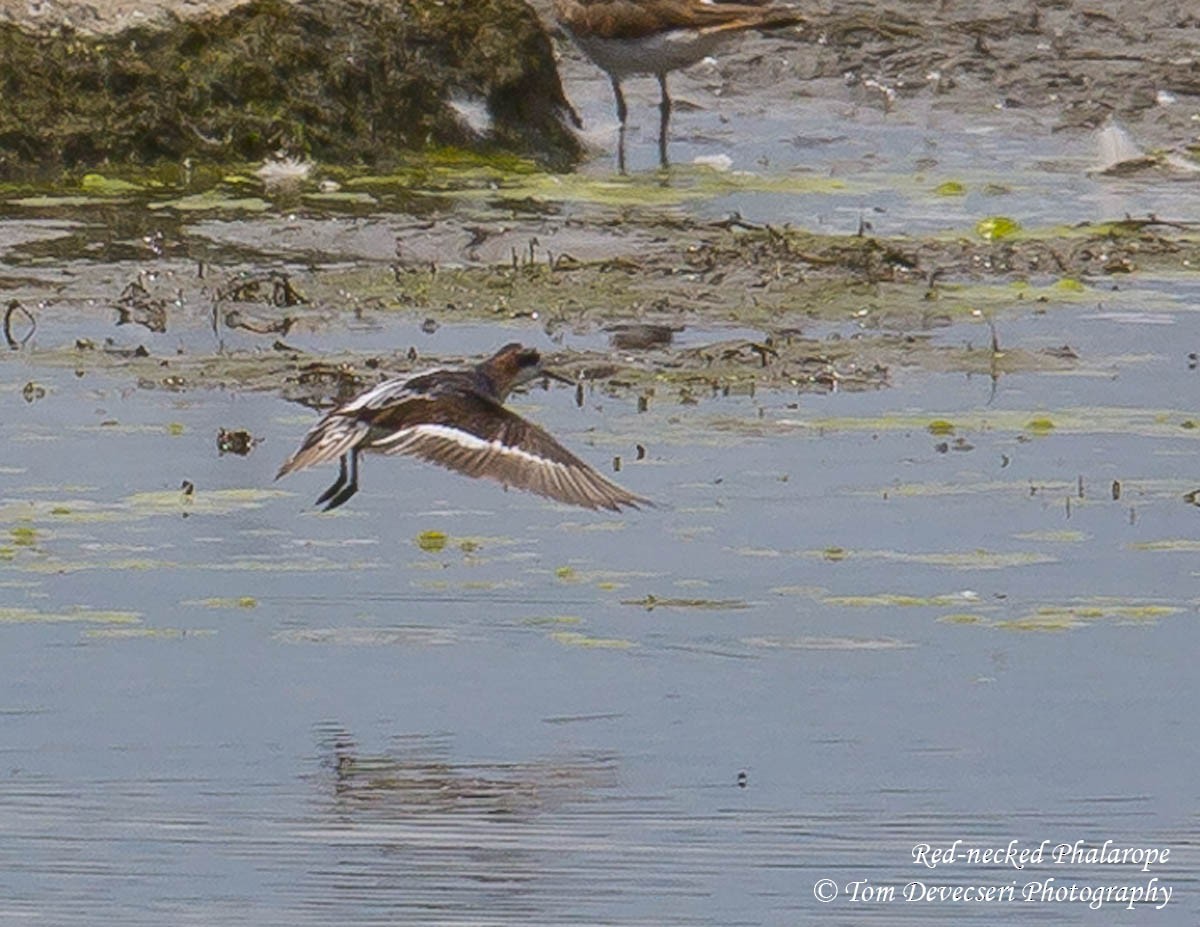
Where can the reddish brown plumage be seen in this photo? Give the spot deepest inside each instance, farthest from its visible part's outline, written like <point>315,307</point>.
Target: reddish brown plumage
<point>634,19</point>
<point>626,37</point>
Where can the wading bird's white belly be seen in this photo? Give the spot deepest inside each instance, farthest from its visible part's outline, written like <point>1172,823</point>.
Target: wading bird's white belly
<point>652,54</point>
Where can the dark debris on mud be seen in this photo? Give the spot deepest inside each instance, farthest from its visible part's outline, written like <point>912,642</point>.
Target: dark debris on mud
<point>1087,250</point>
<point>833,313</point>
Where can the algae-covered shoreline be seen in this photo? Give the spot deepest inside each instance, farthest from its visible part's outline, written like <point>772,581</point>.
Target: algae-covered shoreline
<point>348,81</point>
<point>115,84</point>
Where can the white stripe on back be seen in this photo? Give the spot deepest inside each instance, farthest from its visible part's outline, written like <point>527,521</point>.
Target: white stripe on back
<point>386,393</point>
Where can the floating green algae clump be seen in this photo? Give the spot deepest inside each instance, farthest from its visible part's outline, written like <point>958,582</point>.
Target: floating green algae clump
<point>995,228</point>
<point>431,541</point>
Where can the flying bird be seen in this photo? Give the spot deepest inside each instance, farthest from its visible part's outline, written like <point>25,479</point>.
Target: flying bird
<point>457,419</point>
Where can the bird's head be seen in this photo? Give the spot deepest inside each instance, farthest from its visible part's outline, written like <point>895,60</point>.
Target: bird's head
<point>515,364</point>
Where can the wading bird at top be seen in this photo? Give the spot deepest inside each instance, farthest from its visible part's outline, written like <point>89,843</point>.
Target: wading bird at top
<point>457,419</point>
<point>625,37</point>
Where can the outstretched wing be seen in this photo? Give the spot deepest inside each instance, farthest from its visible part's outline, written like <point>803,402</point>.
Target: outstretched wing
<point>478,437</point>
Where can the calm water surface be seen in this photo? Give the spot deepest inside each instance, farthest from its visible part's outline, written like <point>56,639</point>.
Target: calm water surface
<point>300,718</point>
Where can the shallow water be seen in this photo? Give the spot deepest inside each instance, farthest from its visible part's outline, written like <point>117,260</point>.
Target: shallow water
<point>295,718</point>
<point>959,607</point>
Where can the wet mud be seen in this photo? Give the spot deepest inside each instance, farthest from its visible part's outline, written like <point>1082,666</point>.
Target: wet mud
<point>818,312</point>
<point>1067,65</point>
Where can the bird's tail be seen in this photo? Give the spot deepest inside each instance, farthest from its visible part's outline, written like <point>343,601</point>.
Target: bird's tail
<point>332,437</point>
<point>763,16</point>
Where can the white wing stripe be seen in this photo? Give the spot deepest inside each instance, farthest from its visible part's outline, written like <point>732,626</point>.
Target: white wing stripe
<point>463,439</point>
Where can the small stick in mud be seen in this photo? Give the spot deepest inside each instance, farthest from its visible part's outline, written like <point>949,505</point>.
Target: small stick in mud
<point>15,344</point>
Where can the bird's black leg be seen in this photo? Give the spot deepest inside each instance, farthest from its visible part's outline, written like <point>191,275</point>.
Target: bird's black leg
<point>349,488</point>
<point>622,113</point>
<point>664,109</point>
<point>337,484</point>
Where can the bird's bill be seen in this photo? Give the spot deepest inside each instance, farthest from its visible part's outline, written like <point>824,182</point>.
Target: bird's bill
<point>551,375</point>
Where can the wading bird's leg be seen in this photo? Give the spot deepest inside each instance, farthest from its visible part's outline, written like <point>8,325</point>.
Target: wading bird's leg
<point>622,113</point>
<point>348,488</point>
<point>664,109</point>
